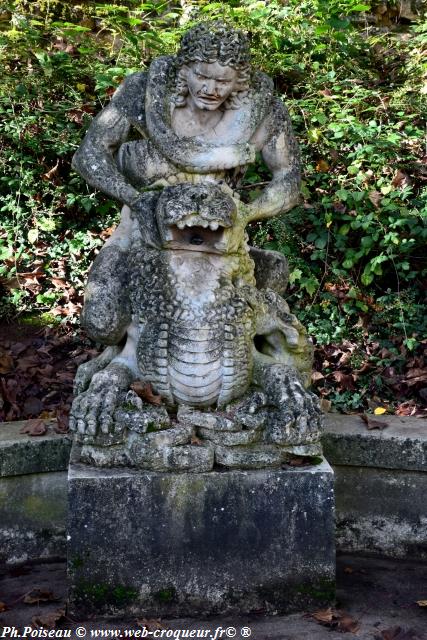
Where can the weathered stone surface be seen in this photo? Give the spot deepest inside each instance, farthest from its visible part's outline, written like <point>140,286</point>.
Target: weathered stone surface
<point>21,454</point>
<point>230,439</point>
<point>250,457</point>
<point>381,512</point>
<point>170,455</point>
<point>201,543</point>
<point>206,420</point>
<point>271,269</point>
<point>401,445</point>
<point>196,318</point>
<point>179,434</point>
<point>151,417</point>
<point>32,517</point>
<point>363,523</point>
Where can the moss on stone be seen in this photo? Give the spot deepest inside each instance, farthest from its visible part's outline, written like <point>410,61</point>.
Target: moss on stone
<point>323,590</point>
<point>77,562</point>
<point>168,594</point>
<point>100,595</point>
<point>39,508</point>
<point>128,406</point>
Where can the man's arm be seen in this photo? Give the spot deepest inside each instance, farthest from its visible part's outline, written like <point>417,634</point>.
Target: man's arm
<point>94,159</point>
<point>280,153</point>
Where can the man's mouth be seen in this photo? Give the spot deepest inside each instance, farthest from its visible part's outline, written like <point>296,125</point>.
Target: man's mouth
<point>206,98</point>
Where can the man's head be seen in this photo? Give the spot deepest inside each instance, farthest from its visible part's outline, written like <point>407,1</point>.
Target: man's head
<point>214,67</point>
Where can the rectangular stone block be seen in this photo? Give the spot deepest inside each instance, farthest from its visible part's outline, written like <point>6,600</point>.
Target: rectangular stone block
<point>402,444</point>
<point>33,517</point>
<point>177,544</point>
<point>21,454</point>
<point>381,512</point>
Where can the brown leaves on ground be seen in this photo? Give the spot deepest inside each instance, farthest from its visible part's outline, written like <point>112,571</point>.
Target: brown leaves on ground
<point>38,367</point>
<point>48,620</point>
<point>300,461</point>
<point>371,423</point>
<point>398,633</point>
<point>152,624</point>
<point>336,620</point>
<point>145,391</point>
<point>36,596</point>
<point>34,427</point>
<point>396,374</point>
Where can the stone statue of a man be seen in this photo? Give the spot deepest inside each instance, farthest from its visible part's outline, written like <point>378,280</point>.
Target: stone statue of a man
<point>202,116</point>
<point>175,291</point>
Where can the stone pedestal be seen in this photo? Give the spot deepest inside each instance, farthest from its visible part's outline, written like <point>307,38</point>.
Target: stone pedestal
<point>182,544</point>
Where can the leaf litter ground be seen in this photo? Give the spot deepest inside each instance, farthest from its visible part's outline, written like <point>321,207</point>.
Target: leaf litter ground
<point>376,600</point>
<point>37,368</point>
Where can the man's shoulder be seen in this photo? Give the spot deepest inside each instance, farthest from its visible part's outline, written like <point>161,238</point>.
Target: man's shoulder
<point>129,98</point>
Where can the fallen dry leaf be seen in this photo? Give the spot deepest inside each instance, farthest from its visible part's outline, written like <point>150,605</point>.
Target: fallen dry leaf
<point>325,405</point>
<point>422,603</point>
<point>40,595</point>
<point>322,166</point>
<point>48,620</point>
<point>196,441</point>
<point>316,375</point>
<point>61,425</point>
<point>3,607</point>
<point>32,406</point>
<point>373,424</point>
<point>379,411</point>
<point>400,179</point>
<point>337,620</point>
<point>34,427</point>
<point>375,197</point>
<point>150,624</point>
<point>6,362</point>
<point>145,392</point>
<point>299,461</point>
<point>324,616</point>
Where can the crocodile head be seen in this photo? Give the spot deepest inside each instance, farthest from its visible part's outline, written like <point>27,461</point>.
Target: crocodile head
<point>198,217</point>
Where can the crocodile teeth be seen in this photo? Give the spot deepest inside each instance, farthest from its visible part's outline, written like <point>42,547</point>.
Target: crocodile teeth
<point>181,224</point>
<point>204,223</point>
<point>213,226</point>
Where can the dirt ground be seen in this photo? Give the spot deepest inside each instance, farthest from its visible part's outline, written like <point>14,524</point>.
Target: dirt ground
<point>376,600</point>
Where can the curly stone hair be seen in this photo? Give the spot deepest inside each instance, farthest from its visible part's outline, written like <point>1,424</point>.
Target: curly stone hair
<point>215,42</point>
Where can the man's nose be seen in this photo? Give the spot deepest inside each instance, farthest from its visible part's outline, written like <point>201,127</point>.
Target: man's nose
<point>209,86</point>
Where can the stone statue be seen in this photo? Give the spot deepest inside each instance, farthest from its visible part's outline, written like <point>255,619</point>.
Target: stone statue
<point>186,307</point>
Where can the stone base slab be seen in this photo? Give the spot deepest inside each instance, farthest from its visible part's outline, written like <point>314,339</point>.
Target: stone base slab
<point>32,517</point>
<point>176,544</point>
<point>382,512</point>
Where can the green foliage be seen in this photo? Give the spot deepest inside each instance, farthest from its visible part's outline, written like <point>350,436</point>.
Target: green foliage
<point>356,93</point>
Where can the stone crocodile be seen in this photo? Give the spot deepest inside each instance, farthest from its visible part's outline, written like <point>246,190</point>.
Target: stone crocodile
<point>190,321</point>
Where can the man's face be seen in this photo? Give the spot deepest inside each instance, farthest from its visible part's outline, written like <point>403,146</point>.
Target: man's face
<point>210,84</point>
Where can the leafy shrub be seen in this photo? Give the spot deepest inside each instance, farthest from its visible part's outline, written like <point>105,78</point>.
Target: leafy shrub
<point>356,245</point>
